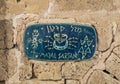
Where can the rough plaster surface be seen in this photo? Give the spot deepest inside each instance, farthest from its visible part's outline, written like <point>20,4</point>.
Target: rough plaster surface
<point>16,15</point>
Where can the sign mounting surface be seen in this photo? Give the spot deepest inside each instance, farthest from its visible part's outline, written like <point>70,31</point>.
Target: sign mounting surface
<point>59,41</point>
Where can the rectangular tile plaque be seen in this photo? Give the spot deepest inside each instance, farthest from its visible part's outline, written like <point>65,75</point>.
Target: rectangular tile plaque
<point>59,41</point>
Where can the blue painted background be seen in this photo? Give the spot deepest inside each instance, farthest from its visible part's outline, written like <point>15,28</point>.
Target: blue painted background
<point>59,42</point>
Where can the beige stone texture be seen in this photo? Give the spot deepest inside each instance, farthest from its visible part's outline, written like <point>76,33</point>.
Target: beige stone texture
<point>113,65</point>
<point>99,77</point>
<point>2,44</point>
<point>117,4</point>
<point>104,32</point>
<point>116,51</point>
<point>48,70</point>
<point>2,34</point>
<point>35,81</point>
<point>2,9</point>
<point>21,72</point>
<point>72,82</point>
<point>76,70</point>
<point>117,33</point>
<point>32,7</point>
<point>12,62</point>
<point>9,34</point>
<point>3,65</point>
<point>92,5</point>
<point>2,30</point>
<point>26,6</point>
<point>25,72</point>
<point>6,34</point>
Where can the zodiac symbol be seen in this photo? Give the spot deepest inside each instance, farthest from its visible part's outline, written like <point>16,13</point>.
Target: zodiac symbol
<point>34,40</point>
<point>60,42</point>
<point>85,46</point>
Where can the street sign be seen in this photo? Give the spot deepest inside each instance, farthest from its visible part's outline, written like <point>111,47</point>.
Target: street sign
<point>59,41</point>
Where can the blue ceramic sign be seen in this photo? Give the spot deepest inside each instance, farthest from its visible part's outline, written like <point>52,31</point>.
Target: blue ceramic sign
<point>59,42</point>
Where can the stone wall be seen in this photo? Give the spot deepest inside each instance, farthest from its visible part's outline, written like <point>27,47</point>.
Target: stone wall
<point>16,68</point>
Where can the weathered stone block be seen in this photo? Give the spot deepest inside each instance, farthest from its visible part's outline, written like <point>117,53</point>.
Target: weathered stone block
<point>6,34</point>
<point>18,66</point>
<point>99,77</point>
<point>25,72</point>
<point>2,8</point>
<point>2,34</point>
<point>25,68</point>
<point>36,6</point>
<point>104,35</point>
<point>113,65</point>
<point>12,62</point>
<point>2,44</point>
<point>72,82</point>
<point>67,5</point>
<point>15,8</point>
<point>76,70</point>
<point>9,34</point>
<point>19,6</point>
<point>3,65</point>
<point>117,4</point>
<point>35,81</point>
<point>48,70</point>
<point>2,30</point>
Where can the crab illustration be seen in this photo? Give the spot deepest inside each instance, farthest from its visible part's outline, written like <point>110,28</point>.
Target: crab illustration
<point>60,41</point>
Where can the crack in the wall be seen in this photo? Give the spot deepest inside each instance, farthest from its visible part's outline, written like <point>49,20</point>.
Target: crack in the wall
<point>62,69</point>
<point>105,71</point>
<point>114,77</point>
<point>104,56</point>
<point>110,74</point>
<point>108,56</point>
<point>33,73</point>
<point>88,78</point>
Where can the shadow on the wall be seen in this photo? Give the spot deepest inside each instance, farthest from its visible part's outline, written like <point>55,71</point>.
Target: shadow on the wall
<point>2,82</point>
<point>3,67</point>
